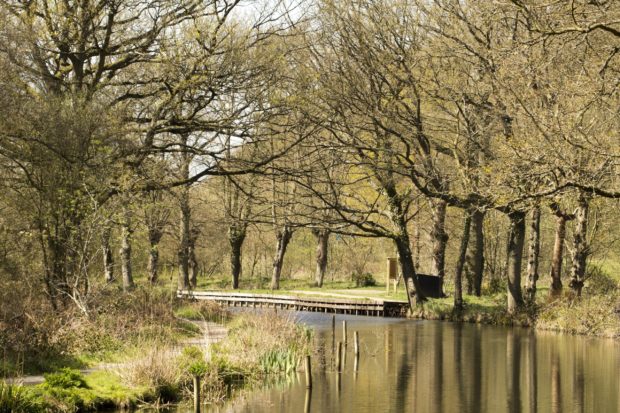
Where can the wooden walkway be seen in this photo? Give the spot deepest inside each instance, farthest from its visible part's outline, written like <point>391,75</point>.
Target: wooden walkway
<point>368,307</point>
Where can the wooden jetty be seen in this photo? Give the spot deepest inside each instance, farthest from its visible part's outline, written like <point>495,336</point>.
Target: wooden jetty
<point>356,306</point>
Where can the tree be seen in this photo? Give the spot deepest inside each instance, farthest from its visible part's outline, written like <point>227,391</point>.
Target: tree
<point>557,257</point>
<point>156,216</point>
<point>533,255</point>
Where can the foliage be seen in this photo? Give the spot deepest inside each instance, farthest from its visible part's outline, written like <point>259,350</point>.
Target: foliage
<point>596,315</point>
<point>65,378</point>
<point>192,361</point>
<point>278,361</point>
<point>15,398</point>
<point>598,281</point>
<point>364,279</point>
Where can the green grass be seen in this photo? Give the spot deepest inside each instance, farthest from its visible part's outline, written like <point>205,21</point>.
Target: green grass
<point>15,398</point>
<point>68,391</point>
<point>333,289</point>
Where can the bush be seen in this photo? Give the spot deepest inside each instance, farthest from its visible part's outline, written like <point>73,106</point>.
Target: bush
<point>598,281</point>
<point>495,285</point>
<point>65,378</point>
<point>364,279</point>
<point>192,361</point>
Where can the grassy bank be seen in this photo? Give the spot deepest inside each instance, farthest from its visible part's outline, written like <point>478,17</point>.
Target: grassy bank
<point>141,341</point>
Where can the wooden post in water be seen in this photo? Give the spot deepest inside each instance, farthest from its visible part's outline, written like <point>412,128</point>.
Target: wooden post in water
<point>196,394</point>
<point>356,343</point>
<point>339,357</point>
<point>333,336</point>
<point>308,373</point>
<point>344,332</point>
<point>308,400</point>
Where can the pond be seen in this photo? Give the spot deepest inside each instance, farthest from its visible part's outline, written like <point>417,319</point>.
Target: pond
<point>428,366</point>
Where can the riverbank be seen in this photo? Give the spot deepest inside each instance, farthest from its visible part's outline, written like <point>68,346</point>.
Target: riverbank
<point>155,366</point>
<point>596,313</point>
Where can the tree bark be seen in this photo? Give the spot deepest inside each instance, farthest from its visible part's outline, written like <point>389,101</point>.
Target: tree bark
<point>184,237</point>
<point>439,239</point>
<point>403,246</point>
<point>322,250</point>
<point>558,249</point>
<point>155,235</point>
<point>192,264</point>
<point>475,254</point>
<point>407,268</point>
<point>153,264</point>
<point>108,259</point>
<point>283,236</point>
<point>558,256</point>
<point>580,245</point>
<point>460,263</point>
<point>516,242</point>
<point>125,252</point>
<point>236,237</point>
<point>416,242</point>
<point>533,255</point>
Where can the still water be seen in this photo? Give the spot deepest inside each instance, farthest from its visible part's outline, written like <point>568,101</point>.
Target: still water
<point>427,366</point>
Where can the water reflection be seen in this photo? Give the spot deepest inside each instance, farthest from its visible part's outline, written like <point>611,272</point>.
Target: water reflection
<point>443,367</point>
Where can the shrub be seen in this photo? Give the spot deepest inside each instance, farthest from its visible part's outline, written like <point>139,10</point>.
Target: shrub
<point>598,281</point>
<point>65,378</point>
<point>192,361</point>
<point>364,279</point>
<point>495,285</point>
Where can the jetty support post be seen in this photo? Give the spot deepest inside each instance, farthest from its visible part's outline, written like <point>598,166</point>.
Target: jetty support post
<point>308,373</point>
<point>196,394</point>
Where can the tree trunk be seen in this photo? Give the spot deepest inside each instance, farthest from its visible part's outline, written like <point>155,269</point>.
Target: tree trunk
<point>236,237</point>
<point>322,250</point>
<point>407,268</point>
<point>108,259</point>
<point>125,252</point>
<point>580,245</point>
<point>515,257</point>
<point>153,264</point>
<point>416,242</point>
<point>192,264</point>
<point>558,256</point>
<point>283,236</point>
<point>460,263</point>
<point>533,255</point>
<point>155,235</point>
<point>184,237</point>
<point>475,254</point>
<point>439,239</point>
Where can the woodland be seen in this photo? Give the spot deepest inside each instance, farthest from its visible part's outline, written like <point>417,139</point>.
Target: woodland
<point>168,143</point>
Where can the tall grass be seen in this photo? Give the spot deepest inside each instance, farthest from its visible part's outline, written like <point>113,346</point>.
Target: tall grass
<point>264,344</point>
<point>15,399</point>
<point>157,371</point>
